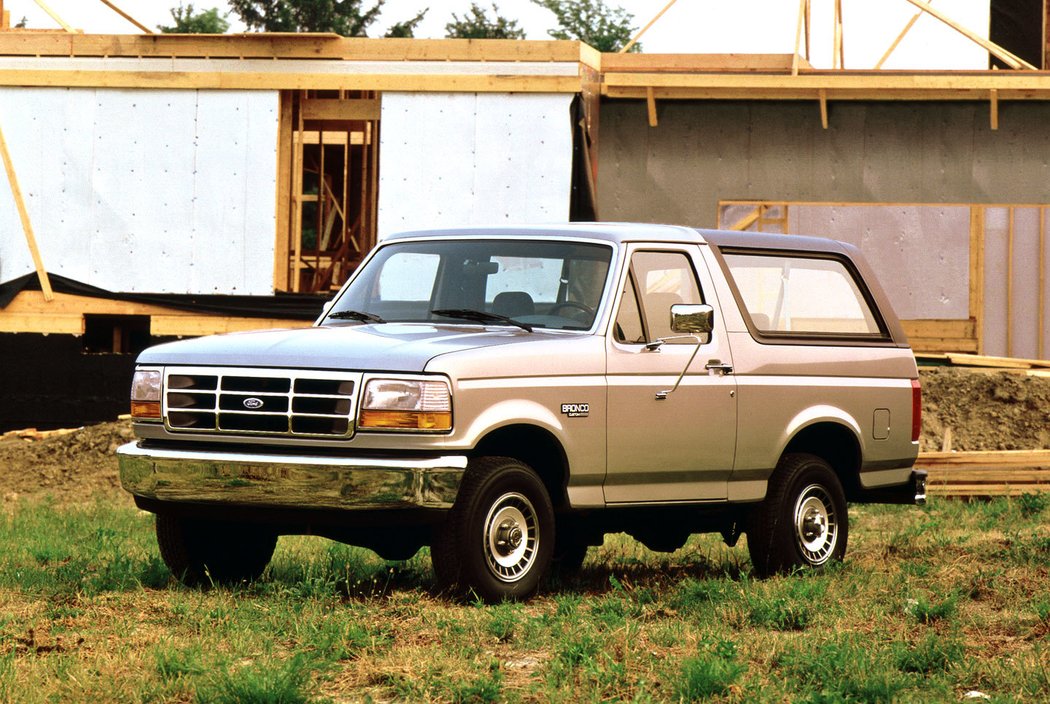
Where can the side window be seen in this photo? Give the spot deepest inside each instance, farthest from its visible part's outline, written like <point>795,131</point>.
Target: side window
<point>659,280</point>
<point>798,295</point>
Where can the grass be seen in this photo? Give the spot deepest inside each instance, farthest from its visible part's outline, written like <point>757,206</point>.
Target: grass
<point>932,603</point>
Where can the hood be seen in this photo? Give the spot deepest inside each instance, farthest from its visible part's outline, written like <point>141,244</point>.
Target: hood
<point>391,347</point>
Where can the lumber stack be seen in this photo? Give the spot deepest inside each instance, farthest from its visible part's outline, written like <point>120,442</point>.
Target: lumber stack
<point>993,473</point>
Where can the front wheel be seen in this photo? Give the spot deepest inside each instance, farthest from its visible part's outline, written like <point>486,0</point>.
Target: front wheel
<point>498,537</point>
<point>200,553</point>
<point>802,522</point>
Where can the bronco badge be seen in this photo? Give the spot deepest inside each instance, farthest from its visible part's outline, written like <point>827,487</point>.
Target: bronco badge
<point>576,410</point>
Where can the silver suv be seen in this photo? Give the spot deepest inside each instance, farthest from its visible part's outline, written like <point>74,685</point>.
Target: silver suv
<point>508,396</point>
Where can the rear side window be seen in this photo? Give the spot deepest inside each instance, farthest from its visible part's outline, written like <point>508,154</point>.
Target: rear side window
<point>795,295</point>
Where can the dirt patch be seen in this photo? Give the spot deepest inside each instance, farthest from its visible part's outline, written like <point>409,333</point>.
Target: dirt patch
<point>984,410</point>
<point>73,467</point>
<point>974,410</point>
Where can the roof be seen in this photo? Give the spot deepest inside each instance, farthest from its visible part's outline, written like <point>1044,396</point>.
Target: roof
<point>622,233</point>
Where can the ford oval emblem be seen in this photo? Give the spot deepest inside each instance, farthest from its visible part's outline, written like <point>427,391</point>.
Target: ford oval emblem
<point>252,403</point>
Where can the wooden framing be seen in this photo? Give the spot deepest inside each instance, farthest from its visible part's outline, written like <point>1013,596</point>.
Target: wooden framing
<point>29,312</point>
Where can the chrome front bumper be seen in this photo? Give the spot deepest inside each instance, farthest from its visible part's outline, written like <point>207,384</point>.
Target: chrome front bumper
<point>294,481</point>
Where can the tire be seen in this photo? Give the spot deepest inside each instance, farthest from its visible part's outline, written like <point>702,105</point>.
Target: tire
<point>802,522</point>
<point>498,538</point>
<point>202,553</point>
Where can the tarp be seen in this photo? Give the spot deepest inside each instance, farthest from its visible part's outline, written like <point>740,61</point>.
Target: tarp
<point>294,306</point>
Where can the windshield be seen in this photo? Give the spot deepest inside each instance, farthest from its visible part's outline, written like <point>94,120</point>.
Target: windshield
<point>556,285</point>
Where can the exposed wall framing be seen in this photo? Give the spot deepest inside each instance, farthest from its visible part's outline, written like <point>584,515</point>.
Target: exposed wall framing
<point>328,162</point>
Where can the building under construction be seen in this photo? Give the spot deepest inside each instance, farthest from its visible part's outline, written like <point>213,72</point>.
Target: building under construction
<point>171,185</point>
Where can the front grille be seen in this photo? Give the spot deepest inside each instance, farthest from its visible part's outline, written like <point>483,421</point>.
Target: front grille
<point>260,402</point>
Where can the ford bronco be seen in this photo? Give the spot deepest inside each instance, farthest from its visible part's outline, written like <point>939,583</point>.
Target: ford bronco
<point>508,396</point>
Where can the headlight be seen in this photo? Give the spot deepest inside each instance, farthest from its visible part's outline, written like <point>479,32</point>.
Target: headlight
<point>145,394</point>
<point>406,404</point>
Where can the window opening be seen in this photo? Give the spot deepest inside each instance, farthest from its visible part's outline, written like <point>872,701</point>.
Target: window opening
<point>332,186</point>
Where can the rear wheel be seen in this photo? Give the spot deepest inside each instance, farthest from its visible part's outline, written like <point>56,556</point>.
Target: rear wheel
<point>803,521</point>
<point>200,553</point>
<point>498,537</point>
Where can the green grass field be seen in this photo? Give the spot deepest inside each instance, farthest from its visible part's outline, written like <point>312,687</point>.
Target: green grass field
<point>931,604</point>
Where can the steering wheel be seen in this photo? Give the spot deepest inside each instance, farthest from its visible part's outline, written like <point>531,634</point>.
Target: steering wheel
<point>572,304</point>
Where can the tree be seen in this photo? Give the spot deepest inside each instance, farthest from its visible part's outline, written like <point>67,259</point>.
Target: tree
<point>346,17</point>
<point>592,21</point>
<point>189,22</point>
<point>407,28</point>
<point>477,25</point>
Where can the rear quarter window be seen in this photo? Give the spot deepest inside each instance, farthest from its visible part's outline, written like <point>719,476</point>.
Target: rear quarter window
<point>799,295</point>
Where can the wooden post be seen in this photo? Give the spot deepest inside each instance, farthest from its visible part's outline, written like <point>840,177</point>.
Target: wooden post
<point>650,103</point>
<point>27,227</point>
<point>798,36</point>
<point>899,39</point>
<point>994,49</point>
<point>128,17</point>
<point>55,16</point>
<point>643,30</point>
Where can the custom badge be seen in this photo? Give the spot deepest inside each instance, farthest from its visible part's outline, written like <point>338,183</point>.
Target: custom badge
<point>576,410</point>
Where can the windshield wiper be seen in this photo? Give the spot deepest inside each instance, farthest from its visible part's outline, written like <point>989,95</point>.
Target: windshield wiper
<point>479,316</point>
<point>355,315</point>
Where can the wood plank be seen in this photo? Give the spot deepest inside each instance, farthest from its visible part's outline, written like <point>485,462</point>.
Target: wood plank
<point>650,103</point>
<point>23,214</point>
<point>213,325</point>
<point>1004,362</point>
<point>128,17</point>
<point>335,109</point>
<point>218,80</point>
<point>940,328</point>
<point>746,63</point>
<point>983,490</point>
<point>55,16</point>
<point>283,212</point>
<point>996,457</point>
<point>997,51</point>
<point>295,45</point>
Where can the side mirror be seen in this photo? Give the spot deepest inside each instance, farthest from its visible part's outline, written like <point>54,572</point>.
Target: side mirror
<point>692,319</point>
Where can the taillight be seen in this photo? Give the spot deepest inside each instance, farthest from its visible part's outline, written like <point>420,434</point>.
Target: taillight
<point>916,410</point>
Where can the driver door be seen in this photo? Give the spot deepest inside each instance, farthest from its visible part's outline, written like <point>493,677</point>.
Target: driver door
<point>680,447</point>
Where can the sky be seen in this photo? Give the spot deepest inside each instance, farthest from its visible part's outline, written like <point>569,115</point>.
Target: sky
<point>689,26</point>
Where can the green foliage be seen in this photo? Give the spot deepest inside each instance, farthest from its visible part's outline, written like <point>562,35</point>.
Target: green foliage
<point>477,25</point>
<point>1032,505</point>
<point>928,612</point>
<point>261,682</point>
<point>407,28</point>
<point>931,655</point>
<point>842,669</point>
<point>346,17</point>
<point>189,22</point>
<point>605,28</point>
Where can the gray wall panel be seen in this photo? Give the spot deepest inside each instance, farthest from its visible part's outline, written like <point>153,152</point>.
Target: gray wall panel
<point>902,152</point>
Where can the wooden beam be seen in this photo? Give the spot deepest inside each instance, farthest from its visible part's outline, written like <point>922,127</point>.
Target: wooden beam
<point>226,80</point>
<point>284,193</point>
<point>798,36</point>
<point>128,17</point>
<point>976,303</point>
<point>838,58</point>
<point>724,63</point>
<point>1010,283</point>
<point>994,108</point>
<point>23,214</point>
<point>1041,307</point>
<point>823,96</point>
<point>899,39</point>
<point>311,46</point>
<point>335,109</point>
<point>994,49</point>
<point>634,40</point>
<point>55,16</point>
<point>650,102</point>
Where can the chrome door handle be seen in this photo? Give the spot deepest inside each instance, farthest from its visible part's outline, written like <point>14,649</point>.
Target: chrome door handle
<point>714,365</point>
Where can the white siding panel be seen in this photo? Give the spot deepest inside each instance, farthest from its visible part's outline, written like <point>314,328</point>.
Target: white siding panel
<point>144,190</point>
<point>468,159</point>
